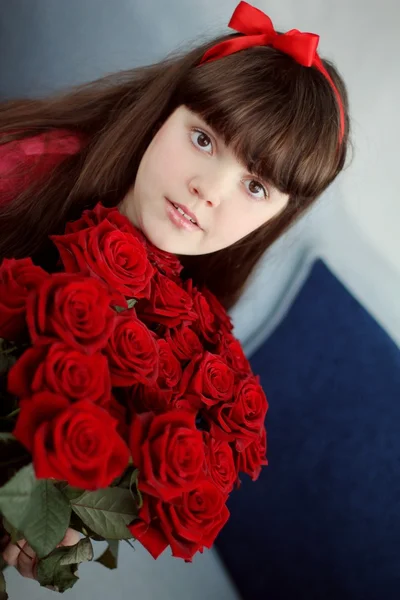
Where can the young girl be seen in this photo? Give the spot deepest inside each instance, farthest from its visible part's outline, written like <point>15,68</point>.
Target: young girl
<point>213,154</point>
<point>242,139</point>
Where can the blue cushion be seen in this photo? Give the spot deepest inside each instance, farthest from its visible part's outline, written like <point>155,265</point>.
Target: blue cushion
<point>323,520</point>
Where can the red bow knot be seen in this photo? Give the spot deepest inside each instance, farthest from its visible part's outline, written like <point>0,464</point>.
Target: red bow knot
<point>258,30</point>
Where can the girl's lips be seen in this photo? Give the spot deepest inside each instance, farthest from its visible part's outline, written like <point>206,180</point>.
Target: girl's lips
<point>188,212</point>
<point>179,220</point>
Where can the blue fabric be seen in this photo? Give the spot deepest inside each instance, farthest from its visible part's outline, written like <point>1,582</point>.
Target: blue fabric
<point>323,520</point>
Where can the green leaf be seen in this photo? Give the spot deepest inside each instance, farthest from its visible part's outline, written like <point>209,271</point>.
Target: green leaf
<point>131,302</point>
<point>3,592</point>
<point>77,524</point>
<point>120,309</point>
<point>69,492</point>
<point>129,481</point>
<point>48,518</point>
<point>15,496</point>
<point>109,558</point>
<point>51,572</point>
<point>60,567</point>
<point>107,512</point>
<point>37,509</point>
<point>81,552</point>
<point>6,437</point>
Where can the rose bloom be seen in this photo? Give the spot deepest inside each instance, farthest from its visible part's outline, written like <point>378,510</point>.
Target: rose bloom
<point>77,443</point>
<point>222,319</point>
<point>207,324</point>
<point>170,371</point>
<point>184,343</point>
<point>17,279</point>
<point>60,369</point>
<point>100,213</point>
<point>71,308</point>
<point>242,419</point>
<point>132,352</point>
<point>213,380</point>
<point>169,304</point>
<point>188,523</point>
<point>232,352</point>
<point>168,450</point>
<point>116,257</point>
<point>253,457</point>
<point>220,463</point>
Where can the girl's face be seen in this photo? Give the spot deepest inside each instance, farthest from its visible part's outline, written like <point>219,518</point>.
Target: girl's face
<point>188,169</point>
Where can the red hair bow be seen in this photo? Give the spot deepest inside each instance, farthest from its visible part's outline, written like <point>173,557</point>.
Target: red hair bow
<point>258,30</point>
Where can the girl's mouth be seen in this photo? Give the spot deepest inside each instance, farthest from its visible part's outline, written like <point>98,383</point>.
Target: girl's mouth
<point>181,219</point>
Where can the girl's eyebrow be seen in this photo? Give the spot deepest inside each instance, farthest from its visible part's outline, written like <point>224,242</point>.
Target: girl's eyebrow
<point>250,167</point>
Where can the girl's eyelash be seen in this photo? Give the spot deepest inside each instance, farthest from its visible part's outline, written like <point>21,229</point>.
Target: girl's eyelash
<point>261,184</point>
<point>257,181</point>
<point>197,130</point>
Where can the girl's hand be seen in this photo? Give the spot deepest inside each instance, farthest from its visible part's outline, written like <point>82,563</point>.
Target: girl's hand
<point>24,559</point>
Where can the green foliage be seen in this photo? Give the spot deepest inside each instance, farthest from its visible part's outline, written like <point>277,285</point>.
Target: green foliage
<point>107,512</point>
<point>36,509</point>
<point>109,558</point>
<point>60,567</point>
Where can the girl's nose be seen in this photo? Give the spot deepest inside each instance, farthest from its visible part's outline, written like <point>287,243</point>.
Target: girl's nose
<point>210,194</point>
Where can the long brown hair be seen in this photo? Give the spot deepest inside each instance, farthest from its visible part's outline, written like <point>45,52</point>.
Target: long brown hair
<point>280,118</point>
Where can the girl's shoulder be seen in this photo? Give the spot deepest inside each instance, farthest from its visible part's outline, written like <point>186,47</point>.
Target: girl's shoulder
<point>25,160</point>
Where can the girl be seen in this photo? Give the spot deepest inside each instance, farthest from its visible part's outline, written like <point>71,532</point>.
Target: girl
<point>213,154</point>
<point>238,133</point>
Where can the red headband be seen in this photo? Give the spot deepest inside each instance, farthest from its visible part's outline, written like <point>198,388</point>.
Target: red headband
<point>258,30</point>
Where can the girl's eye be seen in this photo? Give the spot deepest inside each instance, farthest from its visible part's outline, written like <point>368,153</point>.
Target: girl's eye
<point>201,140</point>
<point>257,189</point>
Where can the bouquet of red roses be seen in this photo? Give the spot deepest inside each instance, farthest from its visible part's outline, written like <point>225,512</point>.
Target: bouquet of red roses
<point>128,408</point>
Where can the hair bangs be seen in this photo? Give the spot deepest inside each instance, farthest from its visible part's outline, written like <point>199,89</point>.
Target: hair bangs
<point>271,112</point>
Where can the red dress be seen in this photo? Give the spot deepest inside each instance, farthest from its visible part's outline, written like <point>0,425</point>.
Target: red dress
<point>24,161</point>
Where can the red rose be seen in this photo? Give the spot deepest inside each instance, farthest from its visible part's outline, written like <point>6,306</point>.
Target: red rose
<point>168,451</point>
<point>253,457</point>
<point>184,343</point>
<point>73,309</point>
<point>101,213</point>
<point>166,263</point>
<point>77,443</point>
<point>132,353</point>
<point>213,380</point>
<point>220,463</point>
<point>169,304</point>
<point>231,351</point>
<point>187,524</point>
<point>63,370</point>
<point>116,257</point>
<point>89,218</point>
<point>206,325</point>
<point>222,319</point>
<point>17,279</point>
<point>243,419</point>
<point>170,371</point>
